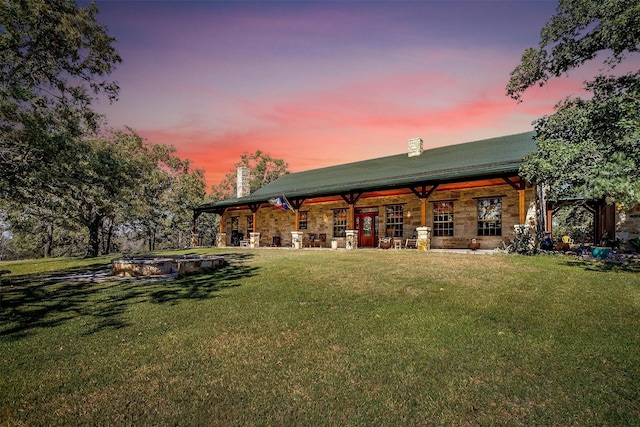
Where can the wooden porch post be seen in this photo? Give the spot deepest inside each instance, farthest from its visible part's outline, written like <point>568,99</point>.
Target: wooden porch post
<point>295,204</point>
<point>254,216</point>
<point>351,199</point>
<point>549,225</point>
<point>519,186</point>
<point>423,194</point>
<point>352,217</point>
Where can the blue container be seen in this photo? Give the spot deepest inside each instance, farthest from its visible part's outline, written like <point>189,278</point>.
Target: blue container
<point>601,253</point>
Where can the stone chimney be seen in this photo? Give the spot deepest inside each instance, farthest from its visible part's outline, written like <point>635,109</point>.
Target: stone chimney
<point>415,147</point>
<point>243,187</point>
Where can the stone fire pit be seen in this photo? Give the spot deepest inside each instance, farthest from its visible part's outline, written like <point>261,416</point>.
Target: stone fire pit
<point>161,266</point>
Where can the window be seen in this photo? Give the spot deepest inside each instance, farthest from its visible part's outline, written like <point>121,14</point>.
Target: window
<point>340,223</point>
<point>302,223</point>
<point>490,217</point>
<point>249,223</point>
<point>235,221</point>
<point>395,220</point>
<point>442,219</point>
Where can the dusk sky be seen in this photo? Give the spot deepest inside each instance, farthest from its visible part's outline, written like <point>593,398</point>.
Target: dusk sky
<point>320,83</point>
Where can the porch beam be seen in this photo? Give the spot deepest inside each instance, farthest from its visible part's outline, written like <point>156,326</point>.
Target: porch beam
<point>351,198</point>
<point>421,191</point>
<point>296,202</point>
<point>423,194</point>
<point>519,186</point>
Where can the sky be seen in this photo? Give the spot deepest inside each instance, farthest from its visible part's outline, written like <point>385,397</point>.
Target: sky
<point>320,83</point>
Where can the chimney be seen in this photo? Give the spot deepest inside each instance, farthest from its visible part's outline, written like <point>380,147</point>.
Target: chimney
<point>415,147</point>
<point>243,187</point>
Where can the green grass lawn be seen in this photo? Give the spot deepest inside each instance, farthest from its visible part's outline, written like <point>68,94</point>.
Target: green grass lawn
<point>319,337</point>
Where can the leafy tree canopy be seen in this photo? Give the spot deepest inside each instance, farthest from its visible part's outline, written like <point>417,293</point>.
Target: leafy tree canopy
<point>577,33</point>
<point>589,148</point>
<point>55,59</point>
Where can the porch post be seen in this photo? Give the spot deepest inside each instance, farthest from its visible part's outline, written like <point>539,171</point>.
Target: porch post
<point>423,192</point>
<point>549,225</point>
<point>521,206</point>
<point>352,217</point>
<point>424,238</point>
<point>221,239</point>
<point>194,229</point>
<point>351,199</point>
<point>351,239</point>
<point>254,237</point>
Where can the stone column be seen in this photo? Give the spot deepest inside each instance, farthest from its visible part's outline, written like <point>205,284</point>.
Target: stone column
<point>296,239</point>
<point>351,240</point>
<point>424,238</point>
<point>254,240</point>
<point>221,240</point>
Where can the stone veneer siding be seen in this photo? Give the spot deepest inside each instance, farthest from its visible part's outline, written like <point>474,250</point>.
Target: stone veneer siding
<point>628,223</point>
<point>275,222</point>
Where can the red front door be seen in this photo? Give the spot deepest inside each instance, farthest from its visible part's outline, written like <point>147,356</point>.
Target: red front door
<point>366,225</point>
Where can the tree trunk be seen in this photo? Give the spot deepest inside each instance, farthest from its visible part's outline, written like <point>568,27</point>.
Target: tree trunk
<point>106,247</point>
<point>48,246</point>
<point>152,241</point>
<point>93,246</point>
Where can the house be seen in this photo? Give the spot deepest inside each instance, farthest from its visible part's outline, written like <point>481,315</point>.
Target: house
<point>450,194</point>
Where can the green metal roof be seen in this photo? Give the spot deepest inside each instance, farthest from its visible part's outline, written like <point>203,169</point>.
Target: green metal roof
<point>471,160</point>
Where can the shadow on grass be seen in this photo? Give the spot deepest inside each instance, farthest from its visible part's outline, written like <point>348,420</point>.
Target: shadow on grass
<point>602,266</point>
<point>30,302</point>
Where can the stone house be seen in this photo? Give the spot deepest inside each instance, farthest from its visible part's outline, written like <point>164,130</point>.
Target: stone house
<point>440,198</point>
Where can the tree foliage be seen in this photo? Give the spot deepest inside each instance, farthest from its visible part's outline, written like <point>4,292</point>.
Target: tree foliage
<point>577,33</point>
<point>262,167</point>
<point>589,148</point>
<point>55,61</point>
<point>63,183</point>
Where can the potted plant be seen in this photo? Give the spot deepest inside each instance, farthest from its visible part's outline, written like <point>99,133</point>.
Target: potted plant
<point>296,242</point>
<point>334,243</point>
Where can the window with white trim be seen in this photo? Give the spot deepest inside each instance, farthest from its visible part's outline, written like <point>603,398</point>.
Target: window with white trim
<point>490,216</point>
<point>442,219</point>
<point>395,220</point>
<point>340,222</point>
<point>303,220</point>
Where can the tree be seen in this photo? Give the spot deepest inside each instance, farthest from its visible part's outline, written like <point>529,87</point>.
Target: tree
<point>577,33</point>
<point>263,168</point>
<point>162,209</point>
<point>588,148</point>
<point>55,59</point>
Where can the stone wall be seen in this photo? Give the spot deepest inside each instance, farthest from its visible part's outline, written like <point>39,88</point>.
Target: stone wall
<point>275,222</point>
<point>628,223</point>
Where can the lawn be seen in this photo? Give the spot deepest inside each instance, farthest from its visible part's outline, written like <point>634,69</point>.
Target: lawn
<point>319,337</point>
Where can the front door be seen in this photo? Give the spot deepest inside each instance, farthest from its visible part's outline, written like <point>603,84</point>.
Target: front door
<point>366,225</point>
